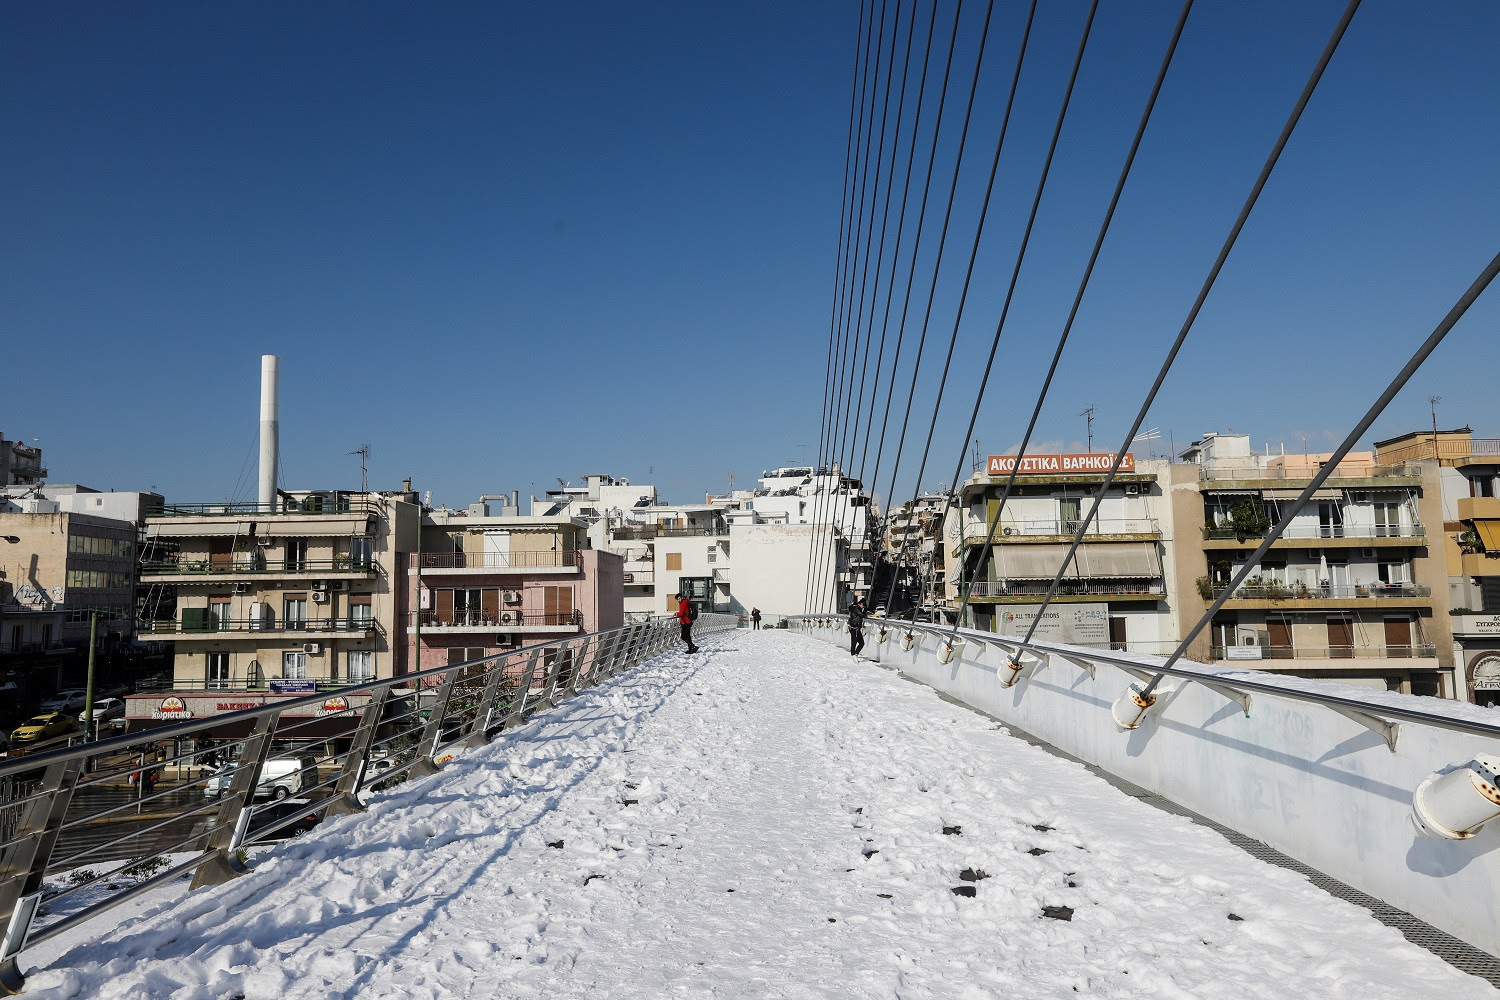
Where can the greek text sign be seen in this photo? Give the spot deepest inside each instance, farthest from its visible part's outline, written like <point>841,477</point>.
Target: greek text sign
<point>1042,465</point>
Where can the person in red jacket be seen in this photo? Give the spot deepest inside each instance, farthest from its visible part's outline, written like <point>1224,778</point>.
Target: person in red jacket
<point>685,618</point>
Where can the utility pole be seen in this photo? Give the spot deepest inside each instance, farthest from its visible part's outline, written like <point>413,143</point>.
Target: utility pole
<point>88,689</point>
<point>1088,414</point>
<point>363,451</point>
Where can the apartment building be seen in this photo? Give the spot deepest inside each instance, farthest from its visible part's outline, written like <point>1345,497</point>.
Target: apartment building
<point>1469,471</point>
<point>916,555</point>
<point>20,463</point>
<point>1352,591</point>
<point>1116,591</point>
<point>60,569</point>
<point>266,601</point>
<point>486,584</point>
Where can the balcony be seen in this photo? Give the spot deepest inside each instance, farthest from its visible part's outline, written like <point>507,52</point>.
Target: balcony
<point>546,561</point>
<point>1071,592</point>
<point>1321,536</point>
<point>1238,654</point>
<point>1034,529</point>
<point>253,565</point>
<point>694,531</point>
<point>721,576</point>
<point>1278,476</point>
<point>462,622</point>
<point>640,577</point>
<point>317,503</point>
<point>1265,594</point>
<point>260,628</point>
<point>154,685</point>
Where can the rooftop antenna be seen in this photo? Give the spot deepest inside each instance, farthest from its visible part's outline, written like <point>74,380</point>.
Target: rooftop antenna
<point>363,451</point>
<point>1433,401</point>
<point>1088,414</point>
<point>1154,434</point>
<point>731,482</point>
<point>976,455</point>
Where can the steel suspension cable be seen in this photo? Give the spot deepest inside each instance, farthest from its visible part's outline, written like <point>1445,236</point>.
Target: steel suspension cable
<point>1328,467</point>
<point>851,324</point>
<point>963,140</point>
<point>1208,284</point>
<point>896,258</point>
<point>1062,341</point>
<point>846,211</point>
<point>974,248</point>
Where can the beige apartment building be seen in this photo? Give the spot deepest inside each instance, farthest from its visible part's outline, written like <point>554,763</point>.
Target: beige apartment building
<point>274,601</point>
<point>61,568</point>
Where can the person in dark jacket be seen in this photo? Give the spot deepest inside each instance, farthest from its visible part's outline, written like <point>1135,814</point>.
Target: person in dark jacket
<point>856,627</point>
<point>754,618</point>
<point>685,619</point>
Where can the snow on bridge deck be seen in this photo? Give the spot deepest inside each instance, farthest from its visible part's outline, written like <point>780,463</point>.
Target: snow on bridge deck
<point>764,819</point>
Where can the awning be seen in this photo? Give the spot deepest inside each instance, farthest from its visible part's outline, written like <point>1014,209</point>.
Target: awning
<point>321,526</point>
<point>1294,494</point>
<point>1489,533</point>
<point>1113,560</point>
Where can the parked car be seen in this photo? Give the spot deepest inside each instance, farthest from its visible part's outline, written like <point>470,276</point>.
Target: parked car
<point>42,727</point>
<point>275,812</point>
<point>71,700</point>
<point>280,778</point>
<point>107,711</point>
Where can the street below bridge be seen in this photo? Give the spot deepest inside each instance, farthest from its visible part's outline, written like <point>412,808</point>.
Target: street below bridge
<point>766,818</point>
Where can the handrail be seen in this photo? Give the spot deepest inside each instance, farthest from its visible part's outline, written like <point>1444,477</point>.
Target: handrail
<point>254,561</point>
<point>423,715</point>
<point>1144,663</point>
<point>333,504</point>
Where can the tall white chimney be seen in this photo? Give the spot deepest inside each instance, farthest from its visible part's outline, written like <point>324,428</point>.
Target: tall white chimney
<point>270,377</point>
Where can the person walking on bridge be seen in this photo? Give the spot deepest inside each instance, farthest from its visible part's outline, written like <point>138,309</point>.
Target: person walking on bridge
<point>754,618</point>
<point>685,618</point>
<point>856,627</point>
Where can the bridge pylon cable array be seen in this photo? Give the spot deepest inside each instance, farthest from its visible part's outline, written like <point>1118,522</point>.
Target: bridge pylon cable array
<point>1208,283</point>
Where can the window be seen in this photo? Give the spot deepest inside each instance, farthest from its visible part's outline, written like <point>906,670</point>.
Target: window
<point>674,561</point>
<point>217,677</point>
<point>1394,574</point>
<point>361,664</point>
<point>360,614</point>
<point>361,552</point>
<point>294,666</point>
<point>557,604</point>
<point>294,611</point>
<point>1387,520</point>
<point>218,614</point>
<point>296,554</point>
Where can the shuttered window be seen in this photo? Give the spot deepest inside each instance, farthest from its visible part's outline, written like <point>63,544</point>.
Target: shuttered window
<point>674,561</point>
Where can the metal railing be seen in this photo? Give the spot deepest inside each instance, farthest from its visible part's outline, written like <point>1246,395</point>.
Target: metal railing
<point>978,531</point>
<point>1236,654</point>
<point>1269,591</point>
<point>1321,531</point>
<point>1303,474</point>
<point>1034,589</point>
<point>544,559</point>
<point>499,619</point>
<point>139,815</point>
<point>264,685</point>
<point>209,626</point>
<point>257,563</point>
<point>322,503</point>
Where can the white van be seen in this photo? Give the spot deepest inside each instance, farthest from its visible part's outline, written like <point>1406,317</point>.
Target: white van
<point>280,777</point>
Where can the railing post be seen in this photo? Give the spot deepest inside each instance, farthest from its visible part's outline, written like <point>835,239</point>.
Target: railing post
<point>346,792</point>
<point>518,710</point>
<point>587,647</point>
<point>229,827</point>
<point>23,864</point>
<point>427,745</point>
<point>477,736</point>
<point>554,674</point>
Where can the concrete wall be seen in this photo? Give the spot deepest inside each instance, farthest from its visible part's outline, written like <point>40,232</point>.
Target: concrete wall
<point>771,564</point>
<point>1310,783</point>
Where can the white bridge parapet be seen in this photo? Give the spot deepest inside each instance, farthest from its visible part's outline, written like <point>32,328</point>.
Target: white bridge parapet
<point>1324,773</point>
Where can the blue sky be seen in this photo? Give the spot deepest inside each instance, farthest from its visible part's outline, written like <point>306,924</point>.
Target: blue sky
<point>508,243</point>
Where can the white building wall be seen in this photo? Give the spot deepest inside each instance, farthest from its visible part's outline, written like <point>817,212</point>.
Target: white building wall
<point>771,566</point>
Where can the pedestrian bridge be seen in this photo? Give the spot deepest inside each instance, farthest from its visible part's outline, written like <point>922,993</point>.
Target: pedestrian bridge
<point>771,817</point>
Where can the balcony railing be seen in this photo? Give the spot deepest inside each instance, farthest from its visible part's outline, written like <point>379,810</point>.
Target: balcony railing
<point>1235,654</point>
<point>322,503</point>
<point>240,685</point>
<point>256,563</point>
<point>499,619</point>
<point>717,531</point>
<point>1038,590</point>
<point>213,625</point>
<point>1056,527</point>
<point>638,577</point>
<point>1321,531</point>
<point>543,559</point>
<point>1301,472</point>
<point>1264,591</point>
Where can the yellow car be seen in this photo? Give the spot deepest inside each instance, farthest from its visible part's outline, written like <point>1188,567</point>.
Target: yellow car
<point>42,727</point>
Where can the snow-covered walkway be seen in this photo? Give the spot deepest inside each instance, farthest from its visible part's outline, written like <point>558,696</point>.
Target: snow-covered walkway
<point>764,819</point>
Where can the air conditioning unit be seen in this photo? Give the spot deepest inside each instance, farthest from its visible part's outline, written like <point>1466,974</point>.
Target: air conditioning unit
<point>630,578</point>
<point>1133,489</point>
<point>264,541</point>
<point>509,617</point>
<point>320,597</point>
<point>338,585</point>
<point>512,596</point>
<point>1007,531</point>
<point>312,648</point>
<point>1367,553</point>
<point>504,639</point>
<point>239,588</point>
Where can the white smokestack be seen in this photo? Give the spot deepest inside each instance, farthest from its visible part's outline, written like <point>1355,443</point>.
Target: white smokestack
<point>270,378</point>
